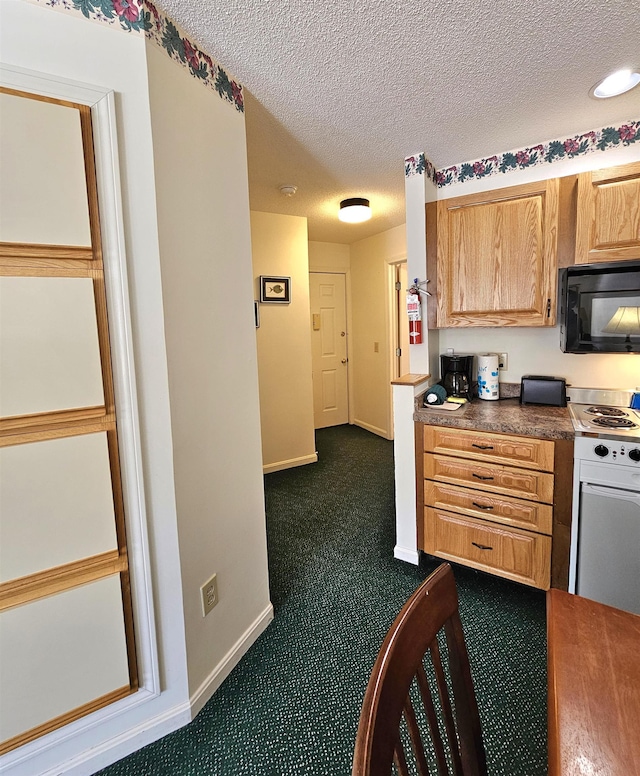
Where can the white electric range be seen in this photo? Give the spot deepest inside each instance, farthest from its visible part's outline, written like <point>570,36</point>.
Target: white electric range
<point>605,533</point>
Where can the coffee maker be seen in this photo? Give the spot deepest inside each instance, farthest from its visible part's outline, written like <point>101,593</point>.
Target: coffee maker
<point>457,375</point>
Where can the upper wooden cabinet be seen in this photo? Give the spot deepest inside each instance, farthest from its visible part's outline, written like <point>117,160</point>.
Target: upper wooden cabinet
<point>497,257</point>
<point>608,215</point>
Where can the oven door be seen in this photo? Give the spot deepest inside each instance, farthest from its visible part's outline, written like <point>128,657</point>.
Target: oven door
<point>608,552</point>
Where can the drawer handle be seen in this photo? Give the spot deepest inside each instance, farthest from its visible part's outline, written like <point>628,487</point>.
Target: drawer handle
<point>481,546</point>
<point>480,477</point>
<point>482,447</point>
<point>482,506</point>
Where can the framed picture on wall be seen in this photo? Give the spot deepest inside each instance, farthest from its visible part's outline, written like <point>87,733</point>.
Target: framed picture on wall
<point>275,289</point>
<point>256,313</point>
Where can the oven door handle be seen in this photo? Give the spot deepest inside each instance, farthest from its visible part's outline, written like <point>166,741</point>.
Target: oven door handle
<point>605,490</point>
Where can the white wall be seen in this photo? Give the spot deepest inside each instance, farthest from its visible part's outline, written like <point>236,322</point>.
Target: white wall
<point>329,257</point>
<point>280,248</point>
<point>371,371</point>
<point>205,256</point>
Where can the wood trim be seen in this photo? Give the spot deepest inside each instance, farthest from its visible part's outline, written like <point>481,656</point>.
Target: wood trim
<point>613,174</point>
<point>91,181</point>
<point>419,456</point>
<point>410,379</point>
<point>65,719</point>
<point>562,506</point>
<point>431,219</point>
<point>39,419</point>
<point>102,318</point>
<point>44,433</point>
<point>38,97</point>
<point>60,578</point>
<point>15,271</point>
<point>567,213</point>
<point>54,254</point>
<point>520,191</point>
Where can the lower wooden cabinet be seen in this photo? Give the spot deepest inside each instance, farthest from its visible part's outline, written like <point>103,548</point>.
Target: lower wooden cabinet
<point>523,556</point>
<point>487,501</point>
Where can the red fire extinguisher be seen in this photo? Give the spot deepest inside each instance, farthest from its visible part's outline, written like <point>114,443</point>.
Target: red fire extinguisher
<point>415,317</point>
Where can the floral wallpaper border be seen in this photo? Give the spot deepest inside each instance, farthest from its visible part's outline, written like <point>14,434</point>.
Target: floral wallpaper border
<point>418,164</point>
<point>143,18</point>
<point>553,151</point>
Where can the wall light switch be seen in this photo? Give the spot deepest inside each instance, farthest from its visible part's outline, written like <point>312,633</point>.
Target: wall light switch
<point>316,321</point>
<point>503,363</point>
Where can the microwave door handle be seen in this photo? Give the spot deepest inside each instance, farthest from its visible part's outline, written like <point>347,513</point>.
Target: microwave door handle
<point>604,490</point>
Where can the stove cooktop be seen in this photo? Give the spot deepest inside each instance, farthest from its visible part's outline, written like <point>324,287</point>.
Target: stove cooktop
<point>605,420</point>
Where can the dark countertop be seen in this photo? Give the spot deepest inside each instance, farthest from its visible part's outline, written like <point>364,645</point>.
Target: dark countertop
<point>505,416</point>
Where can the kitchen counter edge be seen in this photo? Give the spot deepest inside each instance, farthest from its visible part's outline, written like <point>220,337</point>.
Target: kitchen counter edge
<point>505,416</point>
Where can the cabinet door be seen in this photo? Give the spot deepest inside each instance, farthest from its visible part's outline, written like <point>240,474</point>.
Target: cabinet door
<point>608,217</point>
<point>497,257</point>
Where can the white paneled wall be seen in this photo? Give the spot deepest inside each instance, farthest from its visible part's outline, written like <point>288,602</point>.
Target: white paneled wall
<point>59,653</point>
<point>56,504</point>
<point>49,354</point>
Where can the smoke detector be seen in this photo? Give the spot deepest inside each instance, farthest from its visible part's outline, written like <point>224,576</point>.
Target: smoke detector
<point>288,190</point>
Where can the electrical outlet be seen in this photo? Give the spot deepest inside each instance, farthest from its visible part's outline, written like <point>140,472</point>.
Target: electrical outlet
<point>503,364</point>
<point>209,593</point>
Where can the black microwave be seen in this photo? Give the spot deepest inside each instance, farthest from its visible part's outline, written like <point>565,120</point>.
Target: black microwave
<point>600,308</point>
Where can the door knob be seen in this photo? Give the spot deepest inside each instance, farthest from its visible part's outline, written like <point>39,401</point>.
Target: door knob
<point>344,361</point>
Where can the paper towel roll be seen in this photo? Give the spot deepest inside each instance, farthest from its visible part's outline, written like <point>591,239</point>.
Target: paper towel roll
<point>488,383</point>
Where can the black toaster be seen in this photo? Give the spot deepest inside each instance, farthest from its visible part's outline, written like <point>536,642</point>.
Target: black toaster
<point>539,389</point>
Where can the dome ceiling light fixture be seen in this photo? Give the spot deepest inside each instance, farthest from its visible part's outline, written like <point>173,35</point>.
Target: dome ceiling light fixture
<point>354,210</point>
<point>617,83</point>
<point>288,190</point>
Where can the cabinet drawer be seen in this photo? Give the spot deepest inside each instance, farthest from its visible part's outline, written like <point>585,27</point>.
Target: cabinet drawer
<point>520,483</point>
<point>499,448</point>
<point>509,552</point>
<point>502,509</point>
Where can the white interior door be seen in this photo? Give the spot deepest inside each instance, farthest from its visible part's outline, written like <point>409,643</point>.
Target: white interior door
<point>329,348</point>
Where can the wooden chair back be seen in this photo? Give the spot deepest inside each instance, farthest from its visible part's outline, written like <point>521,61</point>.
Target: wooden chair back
<point>412,714</point>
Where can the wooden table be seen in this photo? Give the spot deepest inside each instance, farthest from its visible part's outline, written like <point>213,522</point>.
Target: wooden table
<point>594,688</point>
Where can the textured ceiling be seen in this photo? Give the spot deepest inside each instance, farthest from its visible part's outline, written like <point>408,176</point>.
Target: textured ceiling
<point>340,93</point>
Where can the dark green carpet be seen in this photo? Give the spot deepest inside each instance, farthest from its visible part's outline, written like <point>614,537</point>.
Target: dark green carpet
<point>292,704</point>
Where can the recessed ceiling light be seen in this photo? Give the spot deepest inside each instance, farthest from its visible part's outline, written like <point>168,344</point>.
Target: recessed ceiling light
<point>354,210</point>
<point>617,83</point>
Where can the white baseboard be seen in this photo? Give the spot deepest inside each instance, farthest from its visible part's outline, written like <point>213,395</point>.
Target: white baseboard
<point>114,749</point>
<point>289,464</point>
<point>228,663</point>
<point>407,555</point>
<point>373,429</point>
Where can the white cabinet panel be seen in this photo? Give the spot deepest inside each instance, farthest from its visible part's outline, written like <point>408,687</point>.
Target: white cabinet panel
<point>43,194</point>
<point>58,653</point>
<point>49,353</point>
<point>56,504</point>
